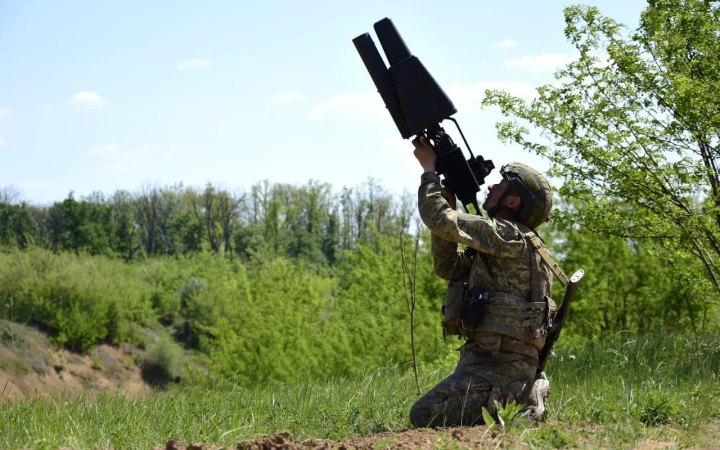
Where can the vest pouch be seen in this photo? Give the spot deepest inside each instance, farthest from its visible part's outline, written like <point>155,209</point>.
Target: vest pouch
<point>471,310</point>
<point>451,307</point>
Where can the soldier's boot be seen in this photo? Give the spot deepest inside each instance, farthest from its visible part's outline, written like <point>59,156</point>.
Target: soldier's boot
<point>536,398</point>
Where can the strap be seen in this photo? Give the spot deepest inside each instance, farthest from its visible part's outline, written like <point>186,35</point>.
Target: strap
<point>519,347</point>
<point>477,259</point>
<point>474,268</point>
<point>540,248</point>
<point>537,289</point>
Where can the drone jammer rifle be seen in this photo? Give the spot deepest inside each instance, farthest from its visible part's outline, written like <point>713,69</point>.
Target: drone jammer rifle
<point>418,105</point>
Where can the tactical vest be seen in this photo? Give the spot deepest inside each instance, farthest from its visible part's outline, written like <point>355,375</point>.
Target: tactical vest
<point>501,321</point>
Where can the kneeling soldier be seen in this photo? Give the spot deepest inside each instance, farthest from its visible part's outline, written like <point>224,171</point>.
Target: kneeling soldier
<point>499,294</point>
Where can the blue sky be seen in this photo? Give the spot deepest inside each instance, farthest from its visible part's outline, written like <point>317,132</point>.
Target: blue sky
<point>106,95</point>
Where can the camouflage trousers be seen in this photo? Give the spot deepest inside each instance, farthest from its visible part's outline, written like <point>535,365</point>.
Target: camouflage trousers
<point>479,380</point>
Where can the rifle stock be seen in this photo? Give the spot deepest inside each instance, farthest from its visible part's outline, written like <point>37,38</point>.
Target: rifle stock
<point>560,317</point>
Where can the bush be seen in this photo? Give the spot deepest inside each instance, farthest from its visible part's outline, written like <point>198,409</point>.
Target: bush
<point>163,363</point>
<point>80,300</point>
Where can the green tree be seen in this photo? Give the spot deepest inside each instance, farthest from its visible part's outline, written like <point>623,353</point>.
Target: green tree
<point>154,210</point>
<point>632,128</point>
<point>17,228</point>
<point>217,211</point>
<point>125,236</point>
<point>629,285</point>
<point>84,225</point>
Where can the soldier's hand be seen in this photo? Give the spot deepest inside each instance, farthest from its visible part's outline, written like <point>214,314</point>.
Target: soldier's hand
<point>425,154</point>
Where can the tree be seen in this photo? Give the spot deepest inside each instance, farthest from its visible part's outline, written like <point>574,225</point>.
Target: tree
<point>17,228</point>
<point>84,225</point>
<point>154,209</point>
<point>125,236</point>
<point>204,209</point>
<point>10,194</point>
<point>628,286</point>
<point>635,135</point>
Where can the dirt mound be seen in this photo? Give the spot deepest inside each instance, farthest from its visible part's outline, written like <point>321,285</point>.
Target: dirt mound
<point>459,438</point>
<point>424,438</point>
<point>31,367</point>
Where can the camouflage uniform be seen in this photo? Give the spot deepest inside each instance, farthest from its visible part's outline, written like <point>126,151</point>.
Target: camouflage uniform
<point>499,360</point>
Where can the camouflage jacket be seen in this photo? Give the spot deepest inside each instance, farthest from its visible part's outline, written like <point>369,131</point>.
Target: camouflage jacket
<point>503,265</point>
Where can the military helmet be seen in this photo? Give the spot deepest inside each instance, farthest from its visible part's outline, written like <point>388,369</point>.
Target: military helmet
<point>534,190</point>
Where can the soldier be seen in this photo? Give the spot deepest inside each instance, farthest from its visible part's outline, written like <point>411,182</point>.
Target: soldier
<point>499,294</point>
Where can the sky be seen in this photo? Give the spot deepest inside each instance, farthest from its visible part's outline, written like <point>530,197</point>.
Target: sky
<point>100,95</point>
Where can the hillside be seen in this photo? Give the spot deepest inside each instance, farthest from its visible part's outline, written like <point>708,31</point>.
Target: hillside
<point>664,411</point>
<point>31,367</point>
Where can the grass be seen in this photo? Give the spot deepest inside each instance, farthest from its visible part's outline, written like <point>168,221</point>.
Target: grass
<point>222,414</point>
<point>651,379</point>
<point>612,394</point>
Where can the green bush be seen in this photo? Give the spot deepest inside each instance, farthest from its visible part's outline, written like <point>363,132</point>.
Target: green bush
<point>267,318</point>
<point>267,322</point>
<point>163,363</point>
<point>280,319</point>
<point>80,300</point>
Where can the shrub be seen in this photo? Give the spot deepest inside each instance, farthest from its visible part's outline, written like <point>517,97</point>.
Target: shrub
<point>80,300</point>
<point>163,363</point>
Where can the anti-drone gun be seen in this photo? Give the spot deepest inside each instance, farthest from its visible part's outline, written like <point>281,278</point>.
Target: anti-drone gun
<point>418,105</point>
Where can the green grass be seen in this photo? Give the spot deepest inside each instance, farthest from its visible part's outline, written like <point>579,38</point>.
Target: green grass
<point>222,414</point>
<point>612,394</point>
<point>651,379</point>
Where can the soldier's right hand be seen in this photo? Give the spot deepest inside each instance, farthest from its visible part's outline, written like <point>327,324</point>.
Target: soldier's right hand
<point>425,153</point>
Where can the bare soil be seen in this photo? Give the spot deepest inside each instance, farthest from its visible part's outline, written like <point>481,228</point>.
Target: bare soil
<point>425,438</point>
<point>31,367</point>
<point>450,438</point>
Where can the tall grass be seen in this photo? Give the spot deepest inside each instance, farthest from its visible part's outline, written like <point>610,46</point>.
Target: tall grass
<point>221,413</point>
<point>634,384</point>
<point>652,378</point>
<point>626,390</point>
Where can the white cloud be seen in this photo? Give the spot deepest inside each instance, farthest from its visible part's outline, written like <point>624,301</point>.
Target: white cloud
<point>351,106</point>
<point>117,158</point>
<point>506,43</point>
<point>125,166</point>
<point>87,100</point>
<point>195,64</point>
<point>468,98</point>
<point>540,63</point>
<point>4,113</point>
<point>287,97</point>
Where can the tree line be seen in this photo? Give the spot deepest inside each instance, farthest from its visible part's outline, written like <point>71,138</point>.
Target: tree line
<point>308,222</point>
<point>631,285</point>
